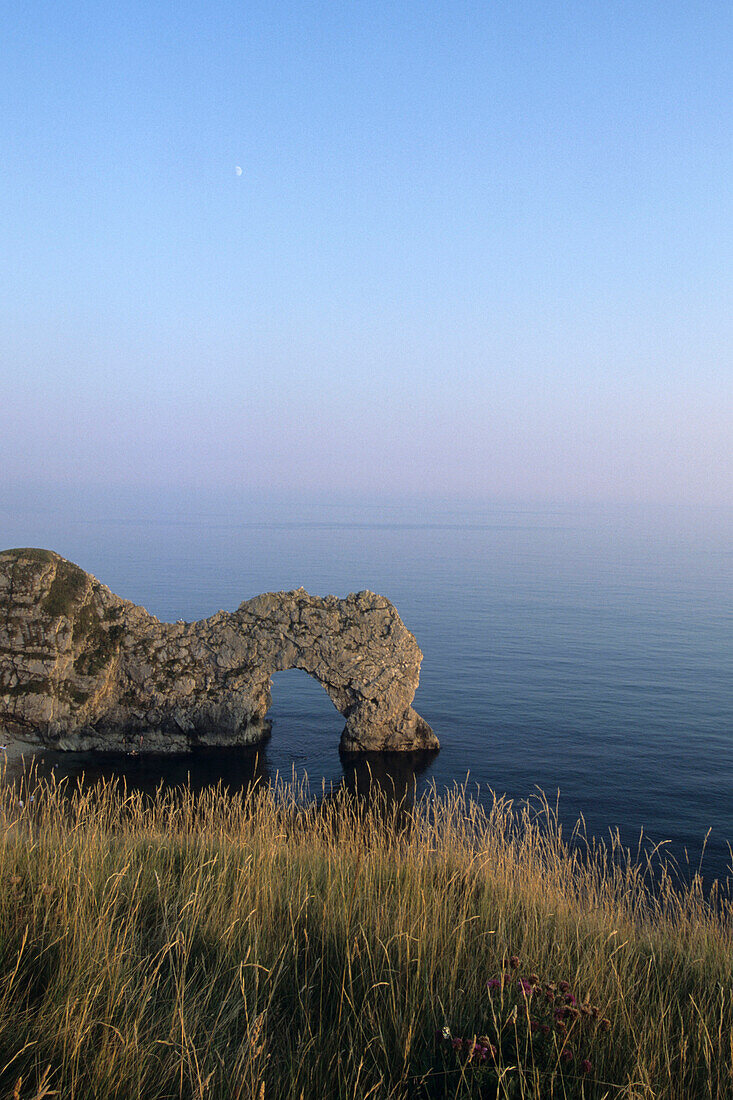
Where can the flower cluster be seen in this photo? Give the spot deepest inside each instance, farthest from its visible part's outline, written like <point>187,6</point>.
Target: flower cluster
<point>476,1050</point>
<point>543,1023</point>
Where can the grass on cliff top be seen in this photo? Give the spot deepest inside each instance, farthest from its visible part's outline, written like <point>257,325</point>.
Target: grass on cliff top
<point>259,946</point>
<point>69,582</point>
<point>67,588</point>
<point>30,553</point>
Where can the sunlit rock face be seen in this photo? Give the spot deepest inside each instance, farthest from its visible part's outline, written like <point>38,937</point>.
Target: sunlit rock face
<point>81,668</point>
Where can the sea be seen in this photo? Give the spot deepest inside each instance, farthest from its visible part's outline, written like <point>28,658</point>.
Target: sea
<point>581,651</point>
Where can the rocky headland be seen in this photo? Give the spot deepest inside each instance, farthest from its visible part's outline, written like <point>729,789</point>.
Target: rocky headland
<point>81,668</point>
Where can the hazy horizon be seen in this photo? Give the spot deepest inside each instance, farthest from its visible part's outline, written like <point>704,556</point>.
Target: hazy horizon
<point>479,253</point>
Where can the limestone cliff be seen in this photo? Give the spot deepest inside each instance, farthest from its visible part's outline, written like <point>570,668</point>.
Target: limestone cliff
<point>81,668</point>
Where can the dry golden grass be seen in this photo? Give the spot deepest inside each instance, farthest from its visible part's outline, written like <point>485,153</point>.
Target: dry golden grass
<point>260,946</point>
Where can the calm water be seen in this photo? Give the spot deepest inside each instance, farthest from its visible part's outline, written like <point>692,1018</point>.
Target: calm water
<point>580,650</point>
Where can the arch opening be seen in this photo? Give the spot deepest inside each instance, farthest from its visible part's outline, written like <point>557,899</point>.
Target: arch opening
<point>303,716</point>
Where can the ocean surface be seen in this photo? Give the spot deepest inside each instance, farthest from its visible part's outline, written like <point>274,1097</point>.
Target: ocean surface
<point>580,650</point>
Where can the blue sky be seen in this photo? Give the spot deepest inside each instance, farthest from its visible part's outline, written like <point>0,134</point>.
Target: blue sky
<point>477,250</point>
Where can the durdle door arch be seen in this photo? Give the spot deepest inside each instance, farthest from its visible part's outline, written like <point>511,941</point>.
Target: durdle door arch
<point>81,668</point>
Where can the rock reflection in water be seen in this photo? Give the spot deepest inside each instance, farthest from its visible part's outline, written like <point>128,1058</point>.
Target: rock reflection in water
<point>391,775</point>
<point>390,778</point>
<point>235,769</point>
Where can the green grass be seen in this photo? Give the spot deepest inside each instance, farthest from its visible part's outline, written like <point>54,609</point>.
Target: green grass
<point>261,946</point>
<point>67,589</point>
<point>30,554</point>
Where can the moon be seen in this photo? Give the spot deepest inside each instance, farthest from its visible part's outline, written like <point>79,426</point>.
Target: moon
<point>238,170</point>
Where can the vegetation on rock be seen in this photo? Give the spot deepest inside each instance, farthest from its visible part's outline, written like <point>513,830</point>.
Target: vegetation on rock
<point>67,588</point>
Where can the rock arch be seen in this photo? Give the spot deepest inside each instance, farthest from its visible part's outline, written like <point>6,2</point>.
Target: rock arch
<point>81,668</point>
